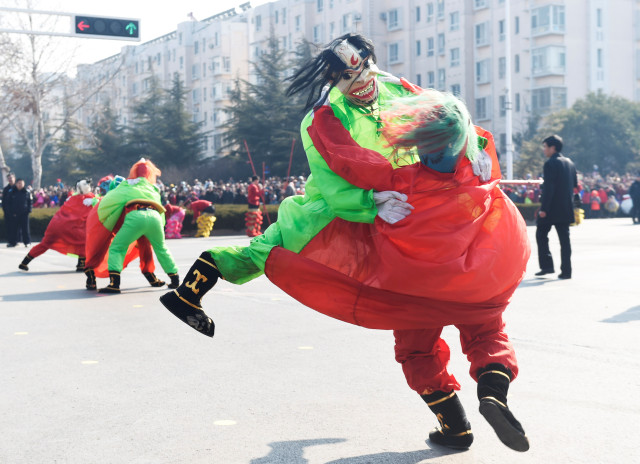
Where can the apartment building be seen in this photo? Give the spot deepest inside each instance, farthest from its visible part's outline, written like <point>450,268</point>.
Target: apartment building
<point>560,51</point>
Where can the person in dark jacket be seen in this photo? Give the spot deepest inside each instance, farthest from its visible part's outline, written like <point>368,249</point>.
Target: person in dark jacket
<point>21,202</point>
<point>8,217</point>
<point>634,193</point>
<point>556,207</point>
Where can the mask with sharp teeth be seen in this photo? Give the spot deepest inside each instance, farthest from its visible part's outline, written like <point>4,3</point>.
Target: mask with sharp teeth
<point>358,81</point>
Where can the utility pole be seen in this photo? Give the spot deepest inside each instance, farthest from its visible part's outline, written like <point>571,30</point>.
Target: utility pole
<point>507,83</point>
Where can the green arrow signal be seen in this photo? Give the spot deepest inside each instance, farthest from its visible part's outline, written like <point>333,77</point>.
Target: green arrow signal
<point>130,28</point>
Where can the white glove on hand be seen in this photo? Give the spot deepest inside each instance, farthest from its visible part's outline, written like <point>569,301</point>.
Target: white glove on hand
<point>482,166</point>
<point>87,202</point>
<point>133,181</point>
<point>392,206</point>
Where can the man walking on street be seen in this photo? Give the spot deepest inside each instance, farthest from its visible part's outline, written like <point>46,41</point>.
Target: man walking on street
<point>556,207</point>
<point>8,217</point>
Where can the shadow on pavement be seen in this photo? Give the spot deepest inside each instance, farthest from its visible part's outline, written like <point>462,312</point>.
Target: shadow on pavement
<point>536,282</point>
<point>631,314</point>
<point>292,452</point>
<point>71,294</point>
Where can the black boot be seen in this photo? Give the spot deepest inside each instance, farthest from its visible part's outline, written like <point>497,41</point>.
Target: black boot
<point>184,302</point>
<point>23,265</point>
<point>80,264</point>
<point>175,281</point>
<point>493,385</point>
<point>114,283</point>
<point>153,280</point>
<point>455,430</point>
<point>90,284</point>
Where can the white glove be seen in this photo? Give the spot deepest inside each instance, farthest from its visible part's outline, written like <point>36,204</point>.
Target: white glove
<point>482,166</point>
<point>133,181</point>
<point>392,206</point>
<point>87,202</point>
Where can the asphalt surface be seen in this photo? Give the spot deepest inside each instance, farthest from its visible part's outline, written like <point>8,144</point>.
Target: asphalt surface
<point>90,378</point>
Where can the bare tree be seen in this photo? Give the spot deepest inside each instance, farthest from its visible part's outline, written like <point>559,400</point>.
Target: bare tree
<point>37,96</point>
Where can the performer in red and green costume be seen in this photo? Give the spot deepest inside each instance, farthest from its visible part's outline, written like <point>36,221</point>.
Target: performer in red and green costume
<point>139,199</point>
<point>66,232</point>
<point>402,227</point>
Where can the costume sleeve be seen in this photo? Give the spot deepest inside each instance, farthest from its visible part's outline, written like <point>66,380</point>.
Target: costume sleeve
<point>347,201</point>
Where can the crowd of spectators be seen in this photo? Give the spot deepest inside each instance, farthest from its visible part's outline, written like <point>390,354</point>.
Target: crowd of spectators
<point>599,196</point>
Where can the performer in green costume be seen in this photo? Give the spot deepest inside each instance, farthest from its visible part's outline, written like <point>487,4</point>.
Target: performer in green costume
<point>140,201</point>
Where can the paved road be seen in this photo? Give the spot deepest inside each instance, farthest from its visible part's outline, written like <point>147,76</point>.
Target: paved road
<point>90,378</point>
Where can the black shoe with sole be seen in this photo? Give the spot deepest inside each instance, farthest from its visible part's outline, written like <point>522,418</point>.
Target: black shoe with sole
<point>545,272</point>
<point>457,441</point>
<point>188,313</point>
<point>564,276</point>
<point>506,426</point>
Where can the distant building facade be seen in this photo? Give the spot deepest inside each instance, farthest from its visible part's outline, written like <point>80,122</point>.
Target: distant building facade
<point>560,51</point>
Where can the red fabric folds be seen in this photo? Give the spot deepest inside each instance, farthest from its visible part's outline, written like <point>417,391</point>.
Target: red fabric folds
<point>66,232</point>
<point>457,259</point>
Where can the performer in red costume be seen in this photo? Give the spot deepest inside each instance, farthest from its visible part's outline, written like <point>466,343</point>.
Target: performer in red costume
<point>203,216</point>
<point>253,217</point>
<point>66,232</point>
<point>402,227</point>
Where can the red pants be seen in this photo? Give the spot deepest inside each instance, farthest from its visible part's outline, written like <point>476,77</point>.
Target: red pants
<point>424,355</point>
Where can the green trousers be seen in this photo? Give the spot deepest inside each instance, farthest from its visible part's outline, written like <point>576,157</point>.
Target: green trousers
<point>146,222</point>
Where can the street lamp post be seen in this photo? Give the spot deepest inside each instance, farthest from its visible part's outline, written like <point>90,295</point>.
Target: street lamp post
<point>507,83</point>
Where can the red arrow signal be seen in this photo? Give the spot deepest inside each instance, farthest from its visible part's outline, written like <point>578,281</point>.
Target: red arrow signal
<point>82,26</point>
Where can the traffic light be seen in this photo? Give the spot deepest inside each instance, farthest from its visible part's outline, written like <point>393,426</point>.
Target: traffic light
<point>116,28</point>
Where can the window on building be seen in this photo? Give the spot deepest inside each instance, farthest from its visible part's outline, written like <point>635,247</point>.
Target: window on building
<point>478,4</point>
<point>441,43</point>
<point>502,103</point>
<point>332,30</point>
<point>599,17</point>
<point>318,36</point>
<point>517,25</point>
<point>501,30</point>
<point>196,47</point>
<point>455,89</point>
<point>275,16</point>
<point>182,62</point>
<point>346,23</point>
<point>195,72</point>
<point>431,79</point>
<point>226,64</point>
<point>517,102</point>
<point>548,60</point>
<point>483,108</point>
<point>395,53</point>
<point>503,142</point>
<point>429,12</point>
<point>430,48</point>
<point>455,57</point>
<point>258,22</point>
<point>547,19</point>
<point>284,16</point>
<point>394,19</point>
<point>419,80</point>
<point>600,59</point>
<point>454,19</point>
<point>319,5</point>
<point>482,34</point>
<point>440,9</point>
<point>548,98</point>
<point>204,69</point>
<point>442,79</point>
<point>298,22</point>
<point>483,71</point>
<point>502,67</point>
<point>418,48</point>
<point>516,63</point>
<point>417,14</point>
